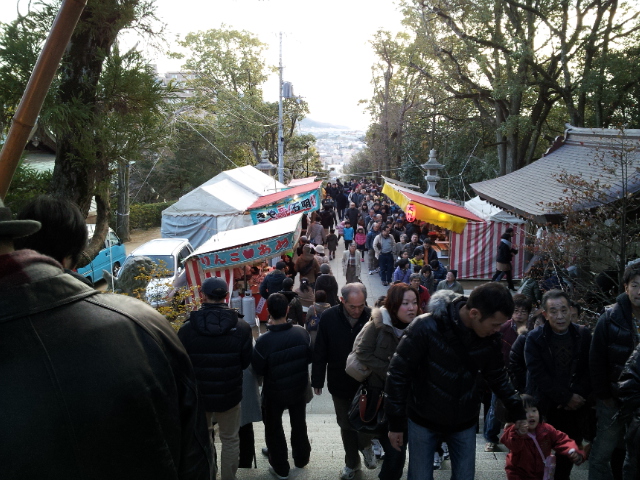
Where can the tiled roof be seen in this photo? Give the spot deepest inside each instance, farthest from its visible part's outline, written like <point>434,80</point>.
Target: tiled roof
<point>585,152</point>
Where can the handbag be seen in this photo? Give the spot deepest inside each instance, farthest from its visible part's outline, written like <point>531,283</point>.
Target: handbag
<point>355,369</point>
<point>549,462</point>
<point>366,414</point>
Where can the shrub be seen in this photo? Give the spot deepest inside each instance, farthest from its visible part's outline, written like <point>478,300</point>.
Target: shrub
<point>146,215</point>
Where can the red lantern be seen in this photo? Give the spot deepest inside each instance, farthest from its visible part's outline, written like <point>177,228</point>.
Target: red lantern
<point>410,212</point>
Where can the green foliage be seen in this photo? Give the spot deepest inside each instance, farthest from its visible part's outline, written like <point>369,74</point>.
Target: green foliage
<point>27,184</point>
<point>147,215</point>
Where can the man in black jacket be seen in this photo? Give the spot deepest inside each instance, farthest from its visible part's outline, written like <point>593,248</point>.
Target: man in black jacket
<point>432,388</point>
<point>220,346</point>
<point>615,337</point>
<point>282,356</point>
<point>272,282</point>
<point>557,357</point>
<point>337,331</point>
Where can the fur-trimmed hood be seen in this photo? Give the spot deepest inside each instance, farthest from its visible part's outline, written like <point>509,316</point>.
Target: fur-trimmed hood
<point>381,317</point>
<point>440,301</point>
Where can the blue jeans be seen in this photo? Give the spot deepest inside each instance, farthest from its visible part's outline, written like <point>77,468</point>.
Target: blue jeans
<point>385,261</point>
<point>423,443</point>
<point>609,435</point>
<point>491,424</point>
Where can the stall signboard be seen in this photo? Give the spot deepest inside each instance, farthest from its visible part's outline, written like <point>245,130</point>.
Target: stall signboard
<point>301,203</point>
<point>244,254</point>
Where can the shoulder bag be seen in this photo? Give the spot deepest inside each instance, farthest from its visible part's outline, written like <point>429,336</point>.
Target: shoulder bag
<point>548,462</point>
<point>366,414</point>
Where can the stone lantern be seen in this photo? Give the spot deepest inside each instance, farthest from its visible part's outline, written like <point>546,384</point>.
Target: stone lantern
<point>432,177</point>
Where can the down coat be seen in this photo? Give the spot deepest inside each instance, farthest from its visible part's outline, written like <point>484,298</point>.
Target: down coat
<point>220,346</point>
<point>429,383</point>
<point>282,355</point>
<point>612,344</point>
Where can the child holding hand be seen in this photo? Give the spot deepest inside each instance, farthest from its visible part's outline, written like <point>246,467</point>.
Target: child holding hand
<point>530,443</point>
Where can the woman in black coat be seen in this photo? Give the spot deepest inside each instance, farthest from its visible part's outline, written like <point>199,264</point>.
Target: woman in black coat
<point>503,260</point>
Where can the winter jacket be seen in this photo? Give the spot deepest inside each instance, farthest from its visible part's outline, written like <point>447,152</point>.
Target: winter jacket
<point>524,461</point>
<point>352,215</point>
<point>381,244</point>
<point>329,284</point>
<point>315,234</point>
<point>348,233</point>
<point>342,201</point>
<point>345,262</point>
<point>439,274</point>
<point>296,314</point>
<point>334,342</point>
<point>455,287</point>
<point>431,384</point>
<point>377,345</point>
<point>505,252</point>
<point>402,275</point>
<point>307,266</point>
<point>327,219</point>
<point>541,368</point>
<point>272,283</point>
<point>332,242</point>
<point>628,391</point>
<point>509,334</point>
<point>360,238</point>
<point>94,385</point>
<point>371,235</point>
<point>517,365</point>
<point>613,342</point>
<point>430,255</point>
<point>282,355</point>
<point>410,247</point>
<point>219,345</point>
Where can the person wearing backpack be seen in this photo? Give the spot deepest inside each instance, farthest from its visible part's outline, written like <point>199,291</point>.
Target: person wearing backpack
<point>314,313</point>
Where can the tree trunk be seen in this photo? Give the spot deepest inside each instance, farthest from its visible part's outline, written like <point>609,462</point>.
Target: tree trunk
<point>122,213</point>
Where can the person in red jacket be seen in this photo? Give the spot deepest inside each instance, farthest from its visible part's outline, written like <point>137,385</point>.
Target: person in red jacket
<point>530,440</point>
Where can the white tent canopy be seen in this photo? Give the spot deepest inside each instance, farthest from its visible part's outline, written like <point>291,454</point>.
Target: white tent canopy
<point>490,212</point>
<point>217,205</point>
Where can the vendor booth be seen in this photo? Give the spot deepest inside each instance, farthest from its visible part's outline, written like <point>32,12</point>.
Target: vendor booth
<point>231,254</point>
<point>298,199</point>
<point>217,205</point>
<point>474,250</point>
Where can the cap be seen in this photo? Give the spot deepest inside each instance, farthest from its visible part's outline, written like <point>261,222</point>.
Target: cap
<point>11,228</point>
<point>214,287</point>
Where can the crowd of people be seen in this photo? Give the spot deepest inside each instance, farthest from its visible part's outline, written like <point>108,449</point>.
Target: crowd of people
<point>100,386</point>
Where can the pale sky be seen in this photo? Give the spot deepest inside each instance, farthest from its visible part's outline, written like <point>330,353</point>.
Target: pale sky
<point>326,54</point>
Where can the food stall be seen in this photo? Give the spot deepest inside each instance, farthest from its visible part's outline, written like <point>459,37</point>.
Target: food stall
<point>232,254</point>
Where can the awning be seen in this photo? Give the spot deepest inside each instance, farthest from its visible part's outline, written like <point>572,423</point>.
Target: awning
<point>429,209</point>
<point>301,181</point>
<point>300,199</point>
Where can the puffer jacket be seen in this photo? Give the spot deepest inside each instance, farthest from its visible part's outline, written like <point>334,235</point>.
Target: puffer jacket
<point>220,346</point>
<point>613,342</point>
<point>282,355</point>
<point>272,283</point>
<point>541,380</point>
<point>334,342</point>
<point>94,385</point>
<point>377,345</point>
<point>429,383</point>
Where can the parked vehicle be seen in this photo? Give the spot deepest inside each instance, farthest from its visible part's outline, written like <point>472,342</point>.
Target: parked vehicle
<point>168,255</point>
<point>110,258</point>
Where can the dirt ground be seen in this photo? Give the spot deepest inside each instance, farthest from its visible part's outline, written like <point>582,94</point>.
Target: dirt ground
<point>140,236</point>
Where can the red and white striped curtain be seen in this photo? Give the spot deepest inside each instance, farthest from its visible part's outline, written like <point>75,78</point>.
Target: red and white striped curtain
<point>196,275</point>
<point>473,252</point>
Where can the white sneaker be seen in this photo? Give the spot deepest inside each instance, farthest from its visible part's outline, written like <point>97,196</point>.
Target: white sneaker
<point>370,459</point>
<point>445,449</point>
<point>348,473</point>
<point>371,272</point>
<point>377,448</point>
<point>437,461</point>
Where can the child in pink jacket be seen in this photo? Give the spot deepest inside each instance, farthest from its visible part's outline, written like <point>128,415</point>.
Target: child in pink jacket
<point>524,461</point>
<point>361,240</point>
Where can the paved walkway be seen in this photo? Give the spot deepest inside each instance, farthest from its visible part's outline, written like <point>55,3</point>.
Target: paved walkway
<point>327,455</point>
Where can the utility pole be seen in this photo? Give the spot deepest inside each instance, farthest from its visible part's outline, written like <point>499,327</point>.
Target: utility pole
<point>280,121</point>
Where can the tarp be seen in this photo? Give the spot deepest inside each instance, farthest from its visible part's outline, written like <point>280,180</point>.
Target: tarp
<point>301,181</point>
<point>217,205</point>
<point>300,199</point>
<point>473,252</point>
<point>429,209</point>
<point>243,246</point>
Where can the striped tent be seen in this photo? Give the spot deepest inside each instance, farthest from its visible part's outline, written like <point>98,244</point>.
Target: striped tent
<point>473,252</point>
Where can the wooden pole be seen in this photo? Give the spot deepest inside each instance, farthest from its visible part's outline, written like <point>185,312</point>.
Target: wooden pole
<point>37,88</point>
